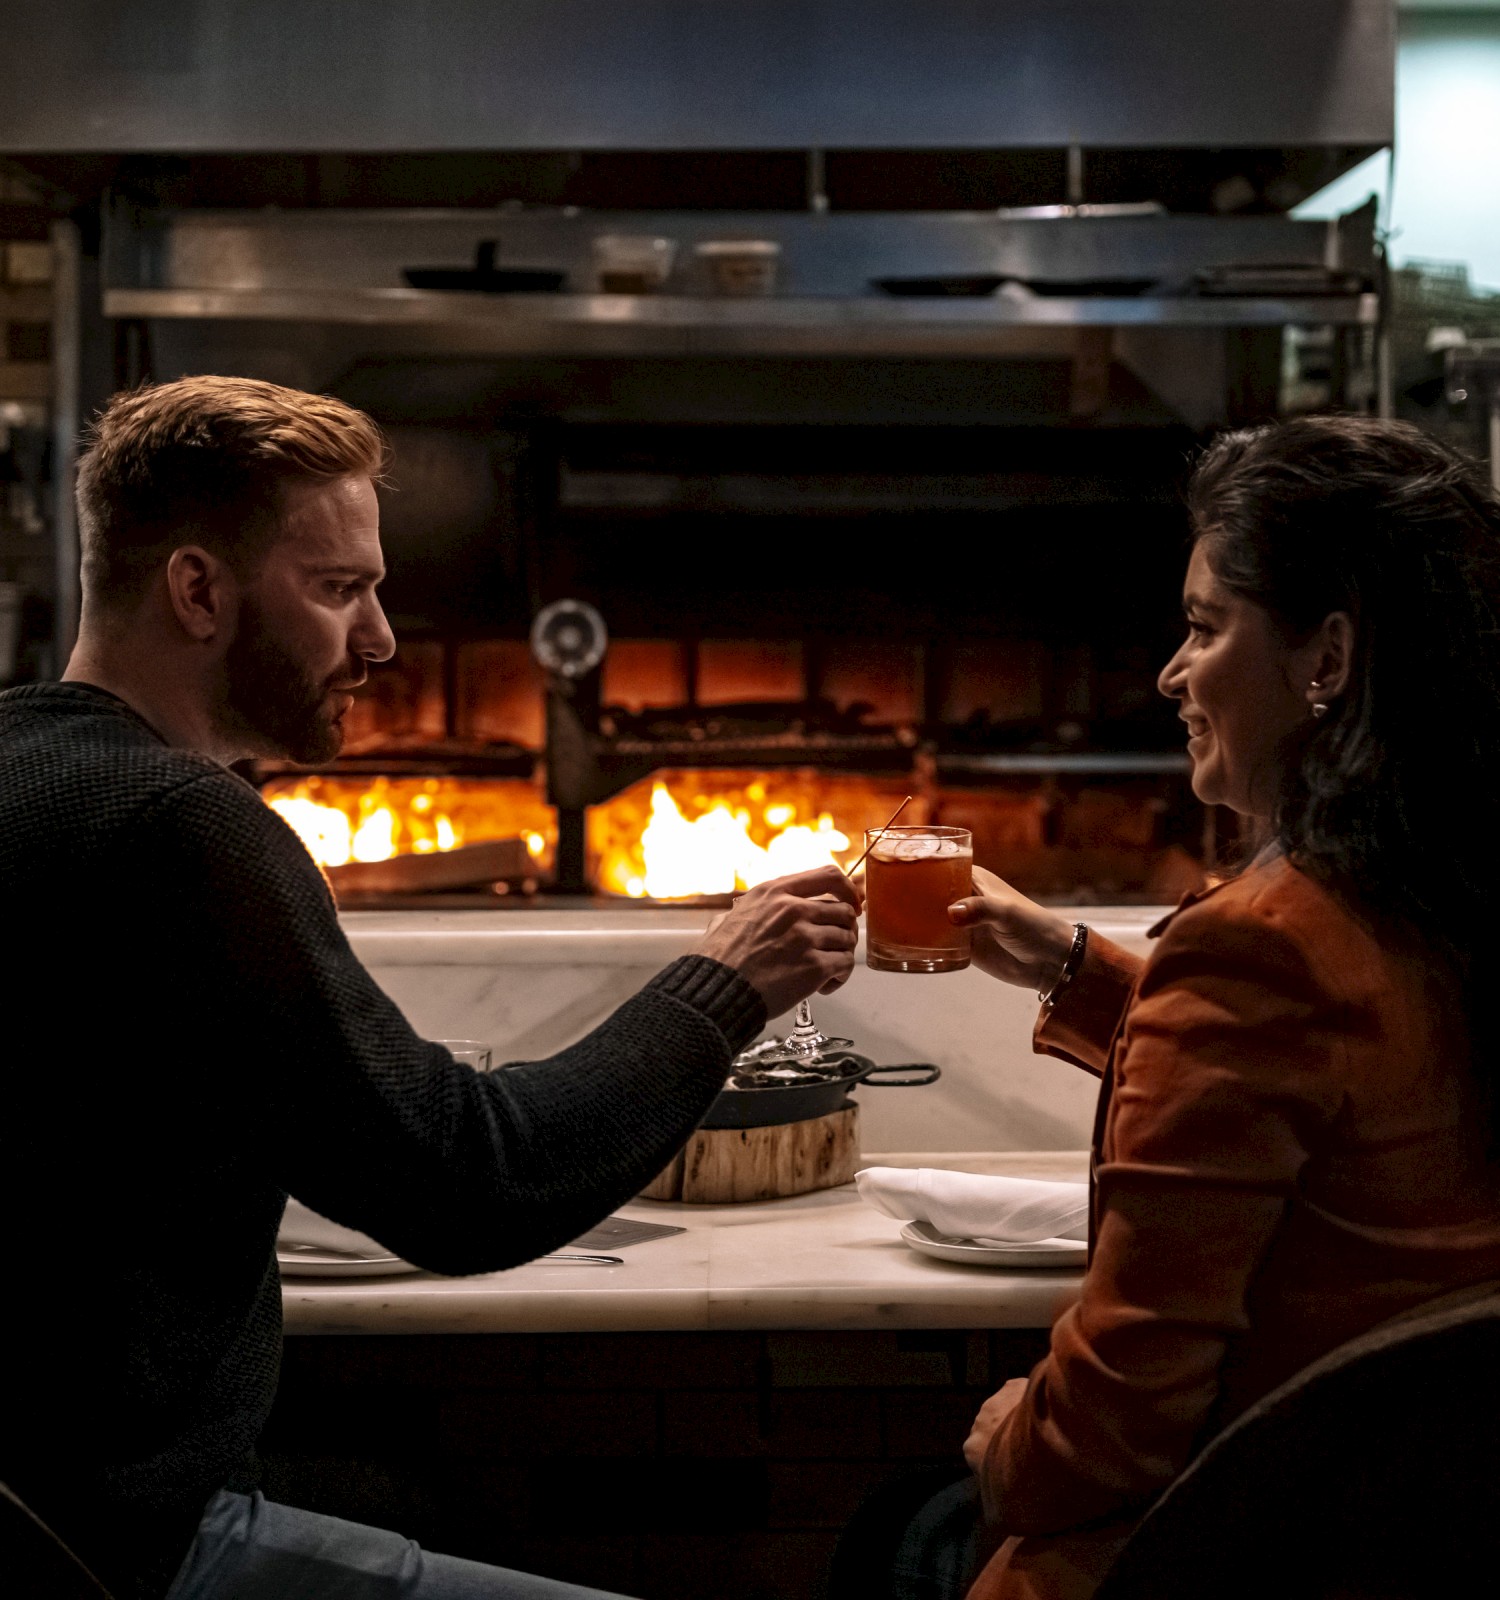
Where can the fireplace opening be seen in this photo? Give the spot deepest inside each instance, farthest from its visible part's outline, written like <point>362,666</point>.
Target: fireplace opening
<point>805,624</point>
<point>695,802</point>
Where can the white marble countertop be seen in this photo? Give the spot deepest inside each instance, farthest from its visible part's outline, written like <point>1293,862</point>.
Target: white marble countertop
<point>531,981</point>
<point>823,1260</point>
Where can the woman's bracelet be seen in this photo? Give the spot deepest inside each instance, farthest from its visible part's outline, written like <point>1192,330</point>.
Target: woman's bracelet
<point>1070,967</point>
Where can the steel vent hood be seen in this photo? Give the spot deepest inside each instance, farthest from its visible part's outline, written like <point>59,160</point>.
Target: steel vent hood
<point>247,76</point>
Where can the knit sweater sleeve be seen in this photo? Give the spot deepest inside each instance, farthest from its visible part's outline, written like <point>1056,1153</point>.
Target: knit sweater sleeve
<point>328,1090</point>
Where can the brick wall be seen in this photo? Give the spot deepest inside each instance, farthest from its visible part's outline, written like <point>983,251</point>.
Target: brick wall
<point>669,1466</point>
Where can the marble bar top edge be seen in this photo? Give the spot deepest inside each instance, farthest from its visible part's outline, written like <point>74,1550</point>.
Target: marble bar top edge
<point>602,938</point>
<point>1021,1301</point>
<point>823,1260</point>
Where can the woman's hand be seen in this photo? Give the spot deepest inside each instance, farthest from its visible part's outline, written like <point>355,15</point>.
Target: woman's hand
<point>1014,939</point>
<point>991,1414</point>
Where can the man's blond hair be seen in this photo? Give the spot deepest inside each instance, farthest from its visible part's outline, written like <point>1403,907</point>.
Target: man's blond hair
<point>207,461</point>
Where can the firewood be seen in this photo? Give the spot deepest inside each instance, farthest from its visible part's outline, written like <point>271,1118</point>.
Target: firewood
<point>720,1166</point>
<point>439,869</point>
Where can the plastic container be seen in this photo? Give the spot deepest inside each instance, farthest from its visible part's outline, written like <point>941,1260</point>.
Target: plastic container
<point>630,263</point>
<point>740,266</point>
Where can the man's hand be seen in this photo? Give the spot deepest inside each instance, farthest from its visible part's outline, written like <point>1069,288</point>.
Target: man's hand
<point>791,937</point>
<point>987,1424</point>
<point>1014,939</point>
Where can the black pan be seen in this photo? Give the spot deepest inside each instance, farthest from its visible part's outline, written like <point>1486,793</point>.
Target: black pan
<point>975,286</point>
<point>954,286</point>
<point>1083,288</point>
<point>484,277</point>
<point>744,1103</point>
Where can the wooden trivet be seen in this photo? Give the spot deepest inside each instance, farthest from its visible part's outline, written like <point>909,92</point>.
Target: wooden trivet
<point>719,1166</point>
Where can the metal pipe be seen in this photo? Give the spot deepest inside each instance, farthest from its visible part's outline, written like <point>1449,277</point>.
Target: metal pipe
<point>1075,175</point>
<point>1495,440</point>
<point>817,183</point>
<point>67,357</point>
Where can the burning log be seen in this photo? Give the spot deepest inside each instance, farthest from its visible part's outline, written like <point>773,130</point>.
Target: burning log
<point>462,868</point>
<point>406,835</point>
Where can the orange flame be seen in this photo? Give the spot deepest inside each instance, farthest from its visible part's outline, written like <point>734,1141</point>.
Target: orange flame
<point>681,835</point>
<point>348,819</point>
<point>712,833</point>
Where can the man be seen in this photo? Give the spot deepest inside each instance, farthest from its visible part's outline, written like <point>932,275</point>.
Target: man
<point>192,1038</point>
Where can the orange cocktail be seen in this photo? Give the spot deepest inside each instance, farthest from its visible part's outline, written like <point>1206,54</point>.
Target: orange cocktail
<point>912,875</point>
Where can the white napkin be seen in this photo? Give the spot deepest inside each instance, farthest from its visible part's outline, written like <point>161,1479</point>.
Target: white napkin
<point>965,1205</point>
<point>300,1225</point>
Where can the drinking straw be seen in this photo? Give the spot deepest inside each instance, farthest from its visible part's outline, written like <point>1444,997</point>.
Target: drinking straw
<point>878,836</point>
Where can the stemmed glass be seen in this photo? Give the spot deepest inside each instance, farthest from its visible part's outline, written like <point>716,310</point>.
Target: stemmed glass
<point>805,1046</point>
<point>807,1041</point>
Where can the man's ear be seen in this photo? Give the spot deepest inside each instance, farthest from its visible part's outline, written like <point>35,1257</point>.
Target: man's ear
<point>1335,657</point>
<point>202,591</point>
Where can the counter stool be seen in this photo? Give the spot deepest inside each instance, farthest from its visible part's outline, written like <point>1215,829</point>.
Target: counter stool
<point>34,1563</point>
<point>1375,1472</point>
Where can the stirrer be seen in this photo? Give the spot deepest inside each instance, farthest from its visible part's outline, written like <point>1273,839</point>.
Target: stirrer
<point>807,1040</point>
<point>876,837</point>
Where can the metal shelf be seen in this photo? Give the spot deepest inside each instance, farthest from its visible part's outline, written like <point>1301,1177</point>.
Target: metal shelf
<point>1081,763</point>
<point>689,325</point>
<point>839,750</point>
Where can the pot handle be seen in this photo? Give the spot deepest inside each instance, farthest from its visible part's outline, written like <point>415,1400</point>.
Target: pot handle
<point>919,1072</point>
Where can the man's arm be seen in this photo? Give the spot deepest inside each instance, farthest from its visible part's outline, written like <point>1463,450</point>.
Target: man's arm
<point>336,1098</point>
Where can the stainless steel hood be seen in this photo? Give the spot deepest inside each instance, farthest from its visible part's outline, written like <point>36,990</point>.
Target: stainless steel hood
<point>265,170</point>
<point>194,76</point>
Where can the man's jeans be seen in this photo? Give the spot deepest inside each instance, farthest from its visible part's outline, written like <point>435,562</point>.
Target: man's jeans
<point>918,1537</point>
<point>942,1550</point>
<point>249,1548</point>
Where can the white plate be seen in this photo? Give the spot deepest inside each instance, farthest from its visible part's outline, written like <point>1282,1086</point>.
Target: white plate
<point>1043,1253</point>
<point>313,1263</point>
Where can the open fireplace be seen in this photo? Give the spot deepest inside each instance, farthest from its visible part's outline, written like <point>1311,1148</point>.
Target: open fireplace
<point>668,658</point>
<point>801,592</point>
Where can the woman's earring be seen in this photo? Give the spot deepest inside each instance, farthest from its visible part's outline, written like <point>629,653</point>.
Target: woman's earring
<point>1319,707</point>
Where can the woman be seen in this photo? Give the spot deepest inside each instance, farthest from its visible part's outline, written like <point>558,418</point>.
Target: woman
<point>1297,1126</point>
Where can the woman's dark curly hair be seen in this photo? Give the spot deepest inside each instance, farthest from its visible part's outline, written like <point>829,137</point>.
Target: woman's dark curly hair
<point>1379,797</point>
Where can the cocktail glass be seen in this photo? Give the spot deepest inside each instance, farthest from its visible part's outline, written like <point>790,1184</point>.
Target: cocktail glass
<point>913,873</point>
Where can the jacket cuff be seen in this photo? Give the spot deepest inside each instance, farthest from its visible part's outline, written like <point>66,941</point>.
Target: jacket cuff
<point>729,1001</point>
<point>1082,1025</point>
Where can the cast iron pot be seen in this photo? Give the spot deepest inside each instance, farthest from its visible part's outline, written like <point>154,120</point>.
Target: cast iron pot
<point>749,1101</point>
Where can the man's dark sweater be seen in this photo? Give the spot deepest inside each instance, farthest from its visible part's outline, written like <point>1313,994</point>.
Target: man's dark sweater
<point>191,1039</point>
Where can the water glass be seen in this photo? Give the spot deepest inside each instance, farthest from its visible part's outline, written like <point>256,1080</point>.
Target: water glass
<point>472,1052</point>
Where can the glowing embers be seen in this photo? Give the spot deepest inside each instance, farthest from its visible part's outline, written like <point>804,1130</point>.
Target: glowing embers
<point>341,820</point>
<point>705,833</point>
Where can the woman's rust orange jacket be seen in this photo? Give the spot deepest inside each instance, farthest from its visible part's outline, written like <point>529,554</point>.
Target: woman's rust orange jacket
<point>1289,1149</point>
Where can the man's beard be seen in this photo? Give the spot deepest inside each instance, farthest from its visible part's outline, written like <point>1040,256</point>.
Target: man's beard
<point>271,698</point>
